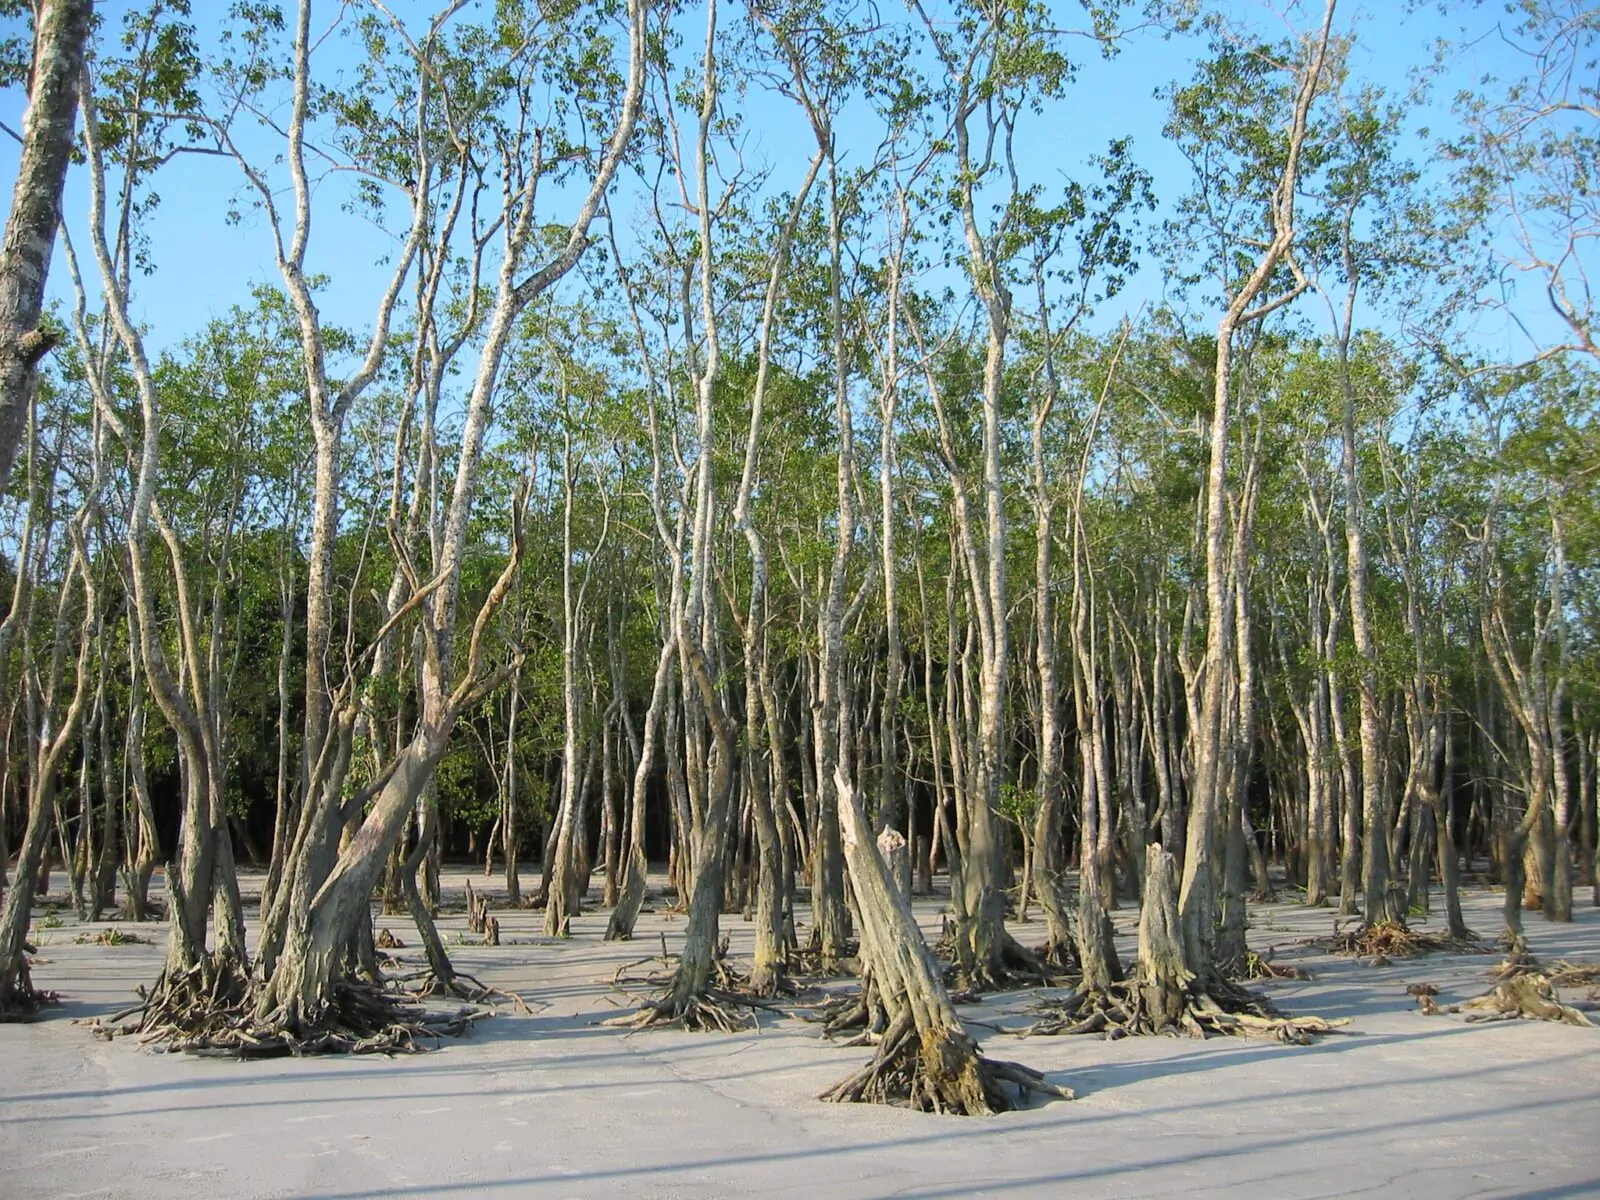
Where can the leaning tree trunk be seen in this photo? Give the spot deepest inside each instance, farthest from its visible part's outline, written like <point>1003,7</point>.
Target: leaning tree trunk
<point>926,1059</point>
<point>17,996</point>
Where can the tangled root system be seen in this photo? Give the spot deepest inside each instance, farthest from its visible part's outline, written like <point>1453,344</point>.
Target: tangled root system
<point>469,988</point>
<point>1564,974</point>
<point>941,1072</point>
<point>1130,1008</point>
<point>111,936</point>
<point>1393,939</point>
<point>209,1009</point>
<point>1017,967</point>
<point>21,1001</point>
<point>725,1005</point>
<point>1260,966</point>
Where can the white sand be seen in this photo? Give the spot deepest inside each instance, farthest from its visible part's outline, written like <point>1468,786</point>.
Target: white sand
<point>554,1105</point>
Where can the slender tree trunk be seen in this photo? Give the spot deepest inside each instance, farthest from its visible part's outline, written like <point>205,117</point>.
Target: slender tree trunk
<point>61,33</point>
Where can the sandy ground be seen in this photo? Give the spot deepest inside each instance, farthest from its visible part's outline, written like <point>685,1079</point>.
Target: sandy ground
<point>553,1105</point>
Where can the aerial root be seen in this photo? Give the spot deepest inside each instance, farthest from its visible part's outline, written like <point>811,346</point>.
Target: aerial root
<point>209,1008</point>
<point>942,1072</point>
<point>1128,1008</point>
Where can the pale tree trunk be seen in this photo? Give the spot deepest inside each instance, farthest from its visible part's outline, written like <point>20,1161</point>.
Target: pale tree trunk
<point>828,898</point>
<point>1375,866</point>
<point>283,788</point>
<point>61,34</point>
<point>510,828</point>
<point>328,900</point>
<point>136,888</point>
<point>186,699</point>
<point>564,899</point>
<point>770,960</point>
<point>52,733</point>
<point>631,894</point>
<point>709,772</point>
<point>925,1059</point>
<point>1198,899</point>
<point>1558,895</point>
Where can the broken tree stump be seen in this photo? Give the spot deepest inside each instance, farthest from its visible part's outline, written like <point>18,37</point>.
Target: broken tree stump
<point>926,1059</point>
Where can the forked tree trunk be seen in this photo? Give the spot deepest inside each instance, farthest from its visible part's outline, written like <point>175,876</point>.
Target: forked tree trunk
<point>1198,897</point>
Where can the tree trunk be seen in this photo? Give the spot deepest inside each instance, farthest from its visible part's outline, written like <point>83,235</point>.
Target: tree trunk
<point>926,1060</point>
<point>61,32</point>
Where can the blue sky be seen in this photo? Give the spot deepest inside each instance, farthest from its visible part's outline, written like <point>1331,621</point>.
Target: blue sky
<point>204,264</point>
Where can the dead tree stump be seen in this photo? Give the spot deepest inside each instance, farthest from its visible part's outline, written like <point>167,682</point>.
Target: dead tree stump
<point>926,1060</point>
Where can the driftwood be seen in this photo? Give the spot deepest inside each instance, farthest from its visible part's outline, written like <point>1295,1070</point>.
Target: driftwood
<point>1531,997</point>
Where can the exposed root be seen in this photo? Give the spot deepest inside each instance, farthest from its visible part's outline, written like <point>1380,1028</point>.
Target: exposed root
<point>710,1011</point>
<point>462,986</point>
<point>1130,1009</point>
<point>808,960</point>
<point>1060,958</point>
<point>1564,974</point>
<point>1519,960</point>
<point>725,1004</point>
<point>209,1009</point>
<point>1261,966</point>
<point>386,940</point>
<point>940,1072</point>
<point>1017,967</point>
<point>1392,939</point>
<point>1531,997</point>
<point>22,1002</point>
<point>860,1018</point>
